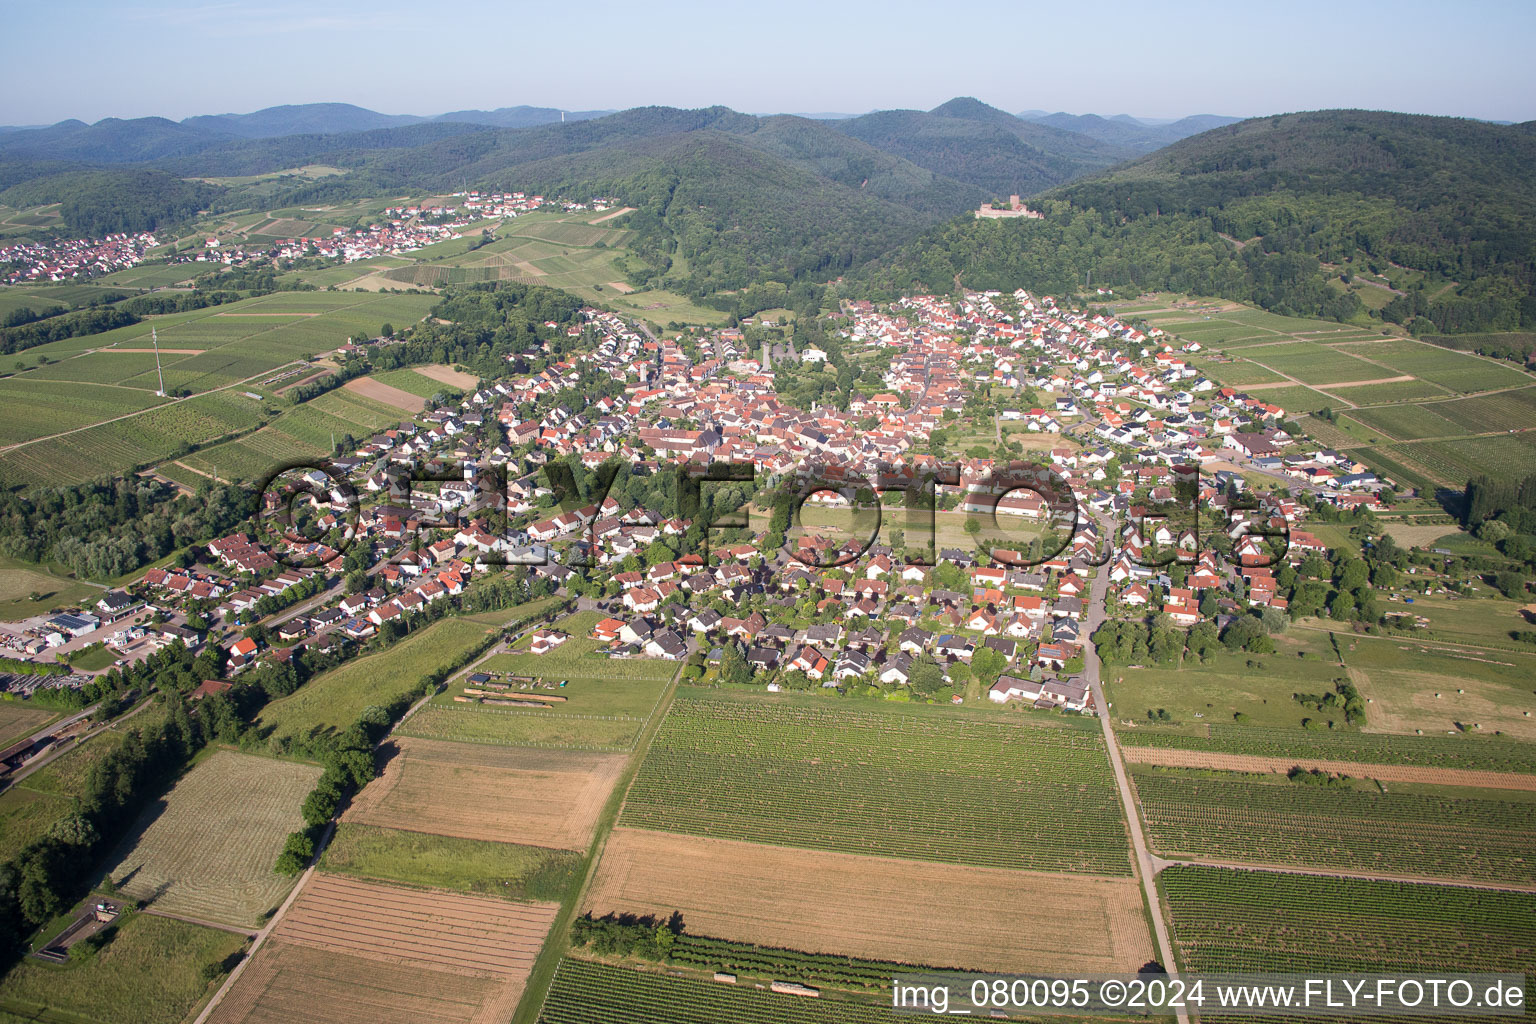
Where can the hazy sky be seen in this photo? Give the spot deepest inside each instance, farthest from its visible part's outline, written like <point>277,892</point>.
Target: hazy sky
<point>92,59</point>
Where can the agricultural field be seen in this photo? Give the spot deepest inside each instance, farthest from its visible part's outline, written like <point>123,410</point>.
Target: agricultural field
<point>875,906</point>
<point>20,580</point>
<point>301,432</point>
<point>475,866</point>
<point>549,798</point>
<point>36,406</point>
<point>1312,363</point>
<point>1462,753</point>
<point>1452,462</point>
<point>588,992</point>
<point>1452,835</point>
<point>150,972</point>
<point>1457,371</point>
<point>332,701</point>
<point>378,954</point>
<point>413,382</point>
<point>28,808</point>
<point>206,851</point>
<point>18,720</point>
<point>925,783</point>
<point>120,446</point>
<point>1229,920</point>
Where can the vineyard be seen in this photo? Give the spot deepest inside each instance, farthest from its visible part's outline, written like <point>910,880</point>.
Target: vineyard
<point>926,785</point>
<point>1362,748</point>
<point>585,992</point>
<point>1281,822</point>
<point>1454,370</point>
<point>1230,920</point>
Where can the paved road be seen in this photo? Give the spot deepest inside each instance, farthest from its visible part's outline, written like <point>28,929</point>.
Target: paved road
<point>1146,867</point>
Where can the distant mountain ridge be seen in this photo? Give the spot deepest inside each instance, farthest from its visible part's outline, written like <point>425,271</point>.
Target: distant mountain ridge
<point>1131,133</point>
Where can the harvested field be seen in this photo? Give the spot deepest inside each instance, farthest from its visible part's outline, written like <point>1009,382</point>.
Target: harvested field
<point>534,797</point>
<point>206,850</point>
<point>621,287</point>
<point>877,907</point>
<point>288,982</point>
<point>17,720</point>
<point>450,957</point>
<point>1172,758</point>
<point>448,375</point>
<point>621,211</point>
<point>384,393</point>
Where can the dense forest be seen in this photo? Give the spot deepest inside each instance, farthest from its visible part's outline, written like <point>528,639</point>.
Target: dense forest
<point>1452,198</point>
<point>101,202</point>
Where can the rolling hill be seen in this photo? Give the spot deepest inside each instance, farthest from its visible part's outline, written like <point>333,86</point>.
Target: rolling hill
<point>1130,133</point>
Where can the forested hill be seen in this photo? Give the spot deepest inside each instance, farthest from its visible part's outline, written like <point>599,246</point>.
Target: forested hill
<point>972,142</point>
<point>1306,201</point>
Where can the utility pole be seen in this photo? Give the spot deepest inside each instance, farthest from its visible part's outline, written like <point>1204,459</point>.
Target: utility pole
<point>158,372</point>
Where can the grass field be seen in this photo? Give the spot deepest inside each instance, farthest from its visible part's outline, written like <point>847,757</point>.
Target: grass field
<point>206,850</point>
<point>332,701</point>
<point>18,720</point>
<point>447,862</point>
<point>1225,920</point>
<point>20,580</point>
<point>1196,694</point>
<point>608,700</point>
<point>30,807</point>
<point>918,782</point>
<point>150,973</point>
<point>1270,820</point>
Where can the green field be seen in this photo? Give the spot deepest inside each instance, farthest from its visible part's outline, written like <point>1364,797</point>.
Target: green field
<point>1454,370</point>
<point>18,720</point>
<point>30,807</point>
<point>150,972</point>
<point>1311,363</point>
<point>20,580</point>
<point>587,992</point>
<point>207,848</point>
<point>1226,920</point>
<point>1474,753</point>
<point>332,701</point>
<point>1271,820</point>
<point>446,862</point>
<point>414,383</point>
<point>922,782</point>
<point>608,701</point>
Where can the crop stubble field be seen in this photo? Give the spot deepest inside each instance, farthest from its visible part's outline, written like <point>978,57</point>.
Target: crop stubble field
<point>548,798</point>
<point>883,908</point>
<point>363,953</point>
<point>207,851</point>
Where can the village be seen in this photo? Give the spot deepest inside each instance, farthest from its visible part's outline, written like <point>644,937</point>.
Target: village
<point>1131,435</point>
<point>74,259</point>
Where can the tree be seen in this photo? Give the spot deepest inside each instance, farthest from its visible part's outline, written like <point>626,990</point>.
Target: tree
<point>387,330</point>
<point>1510,583</point>
<point>926,678</point>
<point>357,581</point>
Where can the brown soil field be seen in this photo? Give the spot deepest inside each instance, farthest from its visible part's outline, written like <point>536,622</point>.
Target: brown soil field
<point>524,795</point>
<point>937,915</point>
<point>1279,765</point>
<point>386,394</point>
<point>290,983</point>
<point>448,375</point>
<point>449,957</point>
<point>621,287</point>
<point>528,268</point>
